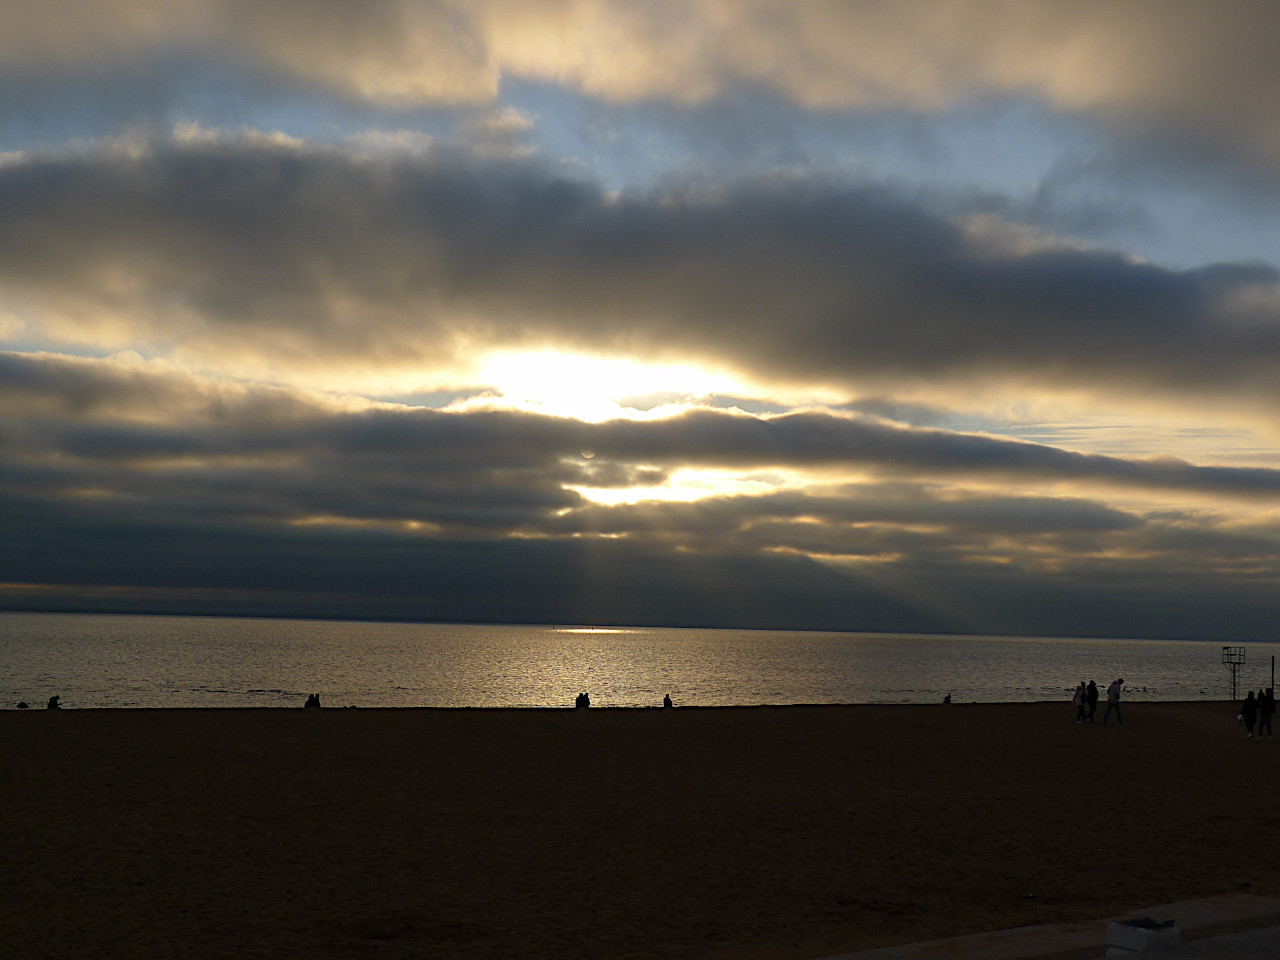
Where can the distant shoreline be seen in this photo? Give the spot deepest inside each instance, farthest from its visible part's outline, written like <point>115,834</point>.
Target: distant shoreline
<point>570,708</point>
<point>555,625</point>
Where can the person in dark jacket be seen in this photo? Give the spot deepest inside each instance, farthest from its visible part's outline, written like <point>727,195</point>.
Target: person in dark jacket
<point>1249,712</point>
<point>1091,692</point>
<point>1266,710</point>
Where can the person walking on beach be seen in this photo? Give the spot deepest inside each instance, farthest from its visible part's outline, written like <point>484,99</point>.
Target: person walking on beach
<point>1266,710</point>
<point>1249,713</point>
<point>1081,700</point>
<point>1091,693</point>
<point>1113,701</point>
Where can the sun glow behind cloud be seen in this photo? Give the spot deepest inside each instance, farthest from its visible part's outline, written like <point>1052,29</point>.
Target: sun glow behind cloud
<point>595,389</point>
<point>683,486</point>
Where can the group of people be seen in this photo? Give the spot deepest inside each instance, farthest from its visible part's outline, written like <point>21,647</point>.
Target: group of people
<point>583,700</point>
<point>55,703</point>
<point>313,701</point>
<point>1086,701</point>
<point>1258,711</point>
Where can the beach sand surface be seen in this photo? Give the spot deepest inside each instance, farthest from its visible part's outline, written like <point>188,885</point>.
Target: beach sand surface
<point>768,833</point>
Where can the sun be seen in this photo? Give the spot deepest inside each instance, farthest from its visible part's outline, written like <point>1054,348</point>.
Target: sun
<point>594,388</point>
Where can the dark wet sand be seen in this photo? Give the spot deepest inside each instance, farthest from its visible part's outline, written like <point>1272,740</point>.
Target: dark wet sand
<point>757,832</point>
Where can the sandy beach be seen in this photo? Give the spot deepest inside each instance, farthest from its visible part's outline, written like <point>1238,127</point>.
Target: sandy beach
<point>783,833</point>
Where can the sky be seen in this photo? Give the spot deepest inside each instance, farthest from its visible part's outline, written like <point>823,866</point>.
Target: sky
<point>948,316</point>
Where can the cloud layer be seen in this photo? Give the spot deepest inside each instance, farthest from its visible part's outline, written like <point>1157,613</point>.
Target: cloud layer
<point>268,255</point>
<point>157,482</point>
<point>289,293</point>
<point>1175,64</point>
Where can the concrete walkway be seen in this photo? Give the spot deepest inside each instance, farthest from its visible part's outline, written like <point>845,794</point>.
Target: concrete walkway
<point>1238,926</point>
<point>1254,945</point>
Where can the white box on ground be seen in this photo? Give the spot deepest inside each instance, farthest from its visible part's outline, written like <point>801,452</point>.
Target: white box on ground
<point>1124,938</point>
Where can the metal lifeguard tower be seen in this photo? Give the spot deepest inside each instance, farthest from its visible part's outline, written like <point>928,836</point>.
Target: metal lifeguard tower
<point>1233,657</point>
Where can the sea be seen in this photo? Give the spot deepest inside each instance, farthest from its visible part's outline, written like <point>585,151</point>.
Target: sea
<point>96,661</point>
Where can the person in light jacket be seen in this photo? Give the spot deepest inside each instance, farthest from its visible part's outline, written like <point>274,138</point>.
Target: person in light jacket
<point>1113,701</point>
<point>1081,700</point>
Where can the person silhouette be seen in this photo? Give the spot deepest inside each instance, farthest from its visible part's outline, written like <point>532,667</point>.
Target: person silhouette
<point>1091,695</point>
<point>1249,710</point>
<point>1266,710</point>
<point>1113,701</point>
<point>54,703</point>
<point>666,700</point>
<point>1081,700</point>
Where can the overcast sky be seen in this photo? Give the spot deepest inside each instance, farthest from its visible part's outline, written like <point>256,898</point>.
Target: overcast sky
<point>946,316</point>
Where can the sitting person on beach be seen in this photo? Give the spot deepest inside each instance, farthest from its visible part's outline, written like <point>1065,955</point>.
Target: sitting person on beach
<point>313,701</point>
<point>53,702</point>
<point>666,700</point>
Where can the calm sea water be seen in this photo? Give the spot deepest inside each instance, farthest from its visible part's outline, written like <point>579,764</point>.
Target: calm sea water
<point>127,661</point>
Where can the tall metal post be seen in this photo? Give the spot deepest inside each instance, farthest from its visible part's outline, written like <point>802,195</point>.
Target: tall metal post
<point>1233,657</point>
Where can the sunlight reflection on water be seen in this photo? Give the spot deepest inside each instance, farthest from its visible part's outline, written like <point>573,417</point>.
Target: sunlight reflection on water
<point>116,661</point>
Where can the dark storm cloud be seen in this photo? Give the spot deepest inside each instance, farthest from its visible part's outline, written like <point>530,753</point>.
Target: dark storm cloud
<point>126,488</point>
<point>82,558</point>
<point>247,249</point>
<point>867,521</point>
<point>819,439</point>
<point>66,389</point>
<point>247,571</point>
